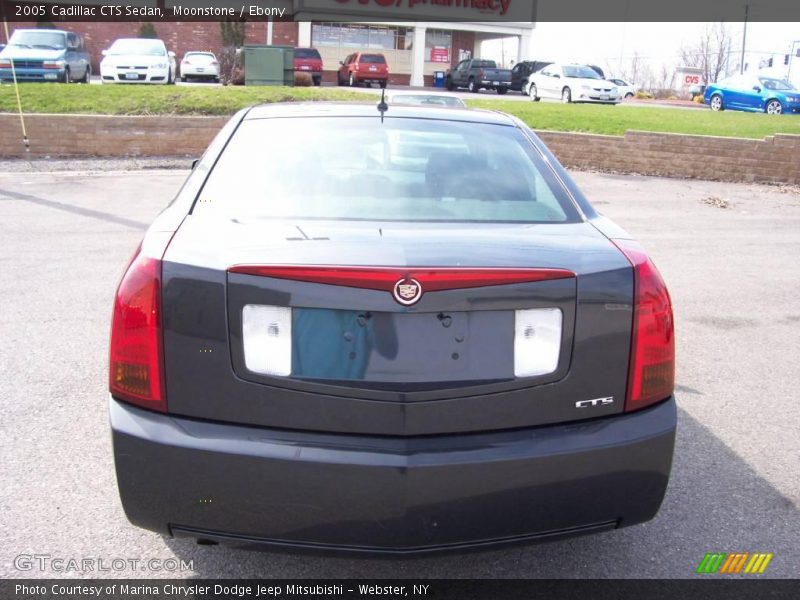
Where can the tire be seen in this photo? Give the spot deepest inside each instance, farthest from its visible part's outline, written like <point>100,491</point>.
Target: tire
<point>502,91</point>
<point>566,95</point>
<point>449,84</point>
<point>170,78</point>
<point>317,81</point>
<point>352,80</point>
<point>67,78</point>
<point>774,107</point>
<point>716,103</point>
<point>472,86</point>
<point>628,96</point>
<point>87,74</point>
<point>533,93</point>
<point>183,78</point>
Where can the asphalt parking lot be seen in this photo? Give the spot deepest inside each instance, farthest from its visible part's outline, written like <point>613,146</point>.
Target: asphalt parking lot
<point>733,273</point>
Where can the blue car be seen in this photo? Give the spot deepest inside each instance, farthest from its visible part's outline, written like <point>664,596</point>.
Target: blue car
<point>754,93</point>
<point>45,55</point>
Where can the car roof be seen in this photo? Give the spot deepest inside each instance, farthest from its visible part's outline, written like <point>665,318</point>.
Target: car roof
<point>350,109</point>
<point>136,39</point>
<point>41,30</point>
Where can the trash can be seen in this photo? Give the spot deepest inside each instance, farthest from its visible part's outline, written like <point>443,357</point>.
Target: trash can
<point>438,79</point>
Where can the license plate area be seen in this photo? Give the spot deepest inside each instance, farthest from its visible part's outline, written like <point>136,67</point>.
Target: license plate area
<point>131,76</point>
<point>379,347</point>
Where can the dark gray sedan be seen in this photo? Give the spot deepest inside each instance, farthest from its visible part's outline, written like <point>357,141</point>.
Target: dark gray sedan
<point>390,333</point>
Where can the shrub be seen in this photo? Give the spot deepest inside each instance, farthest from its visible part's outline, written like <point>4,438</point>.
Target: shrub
<point>148,30</point>
<point>642,95</point>
<point>303,80</point>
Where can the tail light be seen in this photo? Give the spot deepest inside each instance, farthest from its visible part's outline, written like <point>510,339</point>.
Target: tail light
<point>136,365</point>
<point>186,62</point>
<point>5,64</point>
<point>651,375</point>
<point>214,63</point>
<point>481,74</point>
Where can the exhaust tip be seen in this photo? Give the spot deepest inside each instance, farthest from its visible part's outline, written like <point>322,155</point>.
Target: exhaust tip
<point>206,542</point>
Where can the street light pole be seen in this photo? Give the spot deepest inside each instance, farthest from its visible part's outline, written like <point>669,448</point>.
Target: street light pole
<point>744,35</point>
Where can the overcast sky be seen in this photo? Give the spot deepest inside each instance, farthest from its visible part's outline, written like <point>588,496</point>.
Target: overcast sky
<point>659,43</point>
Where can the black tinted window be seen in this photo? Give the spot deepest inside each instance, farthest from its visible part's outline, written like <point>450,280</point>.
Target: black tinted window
<point>306,53</point>
<point>373,58</point>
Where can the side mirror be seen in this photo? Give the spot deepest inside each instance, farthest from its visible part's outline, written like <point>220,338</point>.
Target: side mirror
<point>556,75</point>
<point>171,54</point>
<point>194,163</point>
<point>104,52</point>
<point>341,62</point>
<point>756,89</point>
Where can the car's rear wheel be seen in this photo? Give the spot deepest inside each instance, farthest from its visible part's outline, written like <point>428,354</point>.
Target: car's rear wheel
<point>566,95</point>
<point>502,91</point>
<point>352,81</point>
<point>449,84</point>
<point>472,86</point>
<point>774,107</point>
<point>716,103</point>
<point>533,93</point>
<point>87,74</point>
<point>67,78</point>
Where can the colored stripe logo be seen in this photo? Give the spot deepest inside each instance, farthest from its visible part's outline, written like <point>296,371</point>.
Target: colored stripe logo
<point>735,563</point>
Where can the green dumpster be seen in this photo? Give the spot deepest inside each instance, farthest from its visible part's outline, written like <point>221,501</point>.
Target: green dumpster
<point>268,65</point>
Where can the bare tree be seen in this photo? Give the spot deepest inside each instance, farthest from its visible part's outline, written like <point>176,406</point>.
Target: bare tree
<point>711,52</point>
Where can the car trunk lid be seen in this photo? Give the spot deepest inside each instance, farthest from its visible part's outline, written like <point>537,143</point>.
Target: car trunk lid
<point>361,361</point>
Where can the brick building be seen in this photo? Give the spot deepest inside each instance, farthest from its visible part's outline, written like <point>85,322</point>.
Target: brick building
<point>414,49</point>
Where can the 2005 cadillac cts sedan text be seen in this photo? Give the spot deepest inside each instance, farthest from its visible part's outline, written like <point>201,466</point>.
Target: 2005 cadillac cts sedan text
<point>388,333</point>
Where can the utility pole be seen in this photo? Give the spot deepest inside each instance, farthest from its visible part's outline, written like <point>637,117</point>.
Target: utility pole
<point>744,35</point>
<point>794,53</point>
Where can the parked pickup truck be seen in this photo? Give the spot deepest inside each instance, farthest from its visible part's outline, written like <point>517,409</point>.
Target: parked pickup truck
<point>476,73</point>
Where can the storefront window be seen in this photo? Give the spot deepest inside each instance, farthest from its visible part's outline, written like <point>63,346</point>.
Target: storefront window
<point>358,36</point>
<point>438,46</point>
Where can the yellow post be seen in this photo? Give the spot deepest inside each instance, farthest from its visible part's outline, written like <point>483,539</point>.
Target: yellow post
<point>19,102</point>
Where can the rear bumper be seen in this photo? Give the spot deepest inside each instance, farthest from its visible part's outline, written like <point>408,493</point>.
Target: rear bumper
<point>261,487</point>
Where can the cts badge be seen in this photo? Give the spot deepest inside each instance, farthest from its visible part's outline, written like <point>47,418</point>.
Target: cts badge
<point>407,291</point>
<point>595,403</point>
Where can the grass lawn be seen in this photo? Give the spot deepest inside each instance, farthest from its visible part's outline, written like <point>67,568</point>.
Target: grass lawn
<point>157,99</point>
<point>203,100</point>
<point>616,120</point>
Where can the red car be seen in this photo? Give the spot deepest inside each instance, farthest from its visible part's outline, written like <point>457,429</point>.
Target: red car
<point>365,68</point>
<point>308,60</point>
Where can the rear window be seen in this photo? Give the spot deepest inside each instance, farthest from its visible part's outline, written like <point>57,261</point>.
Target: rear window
<point>372,58</point>
<point>200,57</point>
<point>484,64</point>
<point>306,53</point>
<point>357,168</point>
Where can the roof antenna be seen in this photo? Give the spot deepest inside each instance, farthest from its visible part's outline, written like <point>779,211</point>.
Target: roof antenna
<point>383,107</point>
